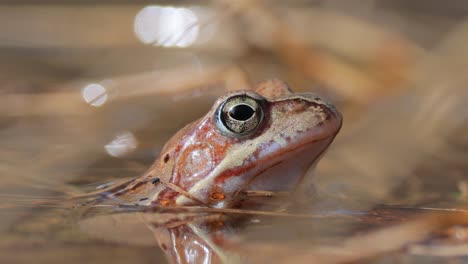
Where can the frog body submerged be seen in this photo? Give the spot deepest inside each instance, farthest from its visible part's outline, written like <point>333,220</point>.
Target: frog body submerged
<point>262,140</point>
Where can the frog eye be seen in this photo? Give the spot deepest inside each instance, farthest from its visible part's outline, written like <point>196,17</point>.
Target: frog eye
<point>239,115</point>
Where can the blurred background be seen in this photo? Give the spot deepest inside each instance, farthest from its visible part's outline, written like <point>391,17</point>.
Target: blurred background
<point>90,91</point>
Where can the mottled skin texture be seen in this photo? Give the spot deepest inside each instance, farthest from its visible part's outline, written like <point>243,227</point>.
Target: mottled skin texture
<point>210,168</point>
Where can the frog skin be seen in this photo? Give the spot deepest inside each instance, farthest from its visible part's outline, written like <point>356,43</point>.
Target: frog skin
<point>250,140</point>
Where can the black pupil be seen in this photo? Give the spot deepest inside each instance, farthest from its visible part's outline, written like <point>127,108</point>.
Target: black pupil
<point>241,112</point>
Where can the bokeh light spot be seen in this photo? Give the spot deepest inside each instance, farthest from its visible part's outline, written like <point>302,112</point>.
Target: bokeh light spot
<point>94,94</point>
<point>167,26</point>
<point>122,144</point>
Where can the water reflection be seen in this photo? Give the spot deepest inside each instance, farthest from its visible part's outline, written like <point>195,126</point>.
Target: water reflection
<point>167,26</point>
<point>187,238</point>
<point>122,144</point>
<point>193,243</point>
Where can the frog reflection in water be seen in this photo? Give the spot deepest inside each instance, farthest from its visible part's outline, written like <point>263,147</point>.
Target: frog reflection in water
<point>250,140</point>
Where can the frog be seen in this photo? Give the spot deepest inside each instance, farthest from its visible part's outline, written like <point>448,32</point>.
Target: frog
<point>254,139</point>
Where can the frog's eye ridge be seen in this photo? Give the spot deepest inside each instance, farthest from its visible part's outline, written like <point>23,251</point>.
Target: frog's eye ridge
<point>239,115</point>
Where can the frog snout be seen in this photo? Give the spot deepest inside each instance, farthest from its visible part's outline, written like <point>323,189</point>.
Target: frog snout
<point>323,103</point>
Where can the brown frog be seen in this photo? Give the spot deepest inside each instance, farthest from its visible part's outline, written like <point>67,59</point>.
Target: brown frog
<point>250,140</point>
